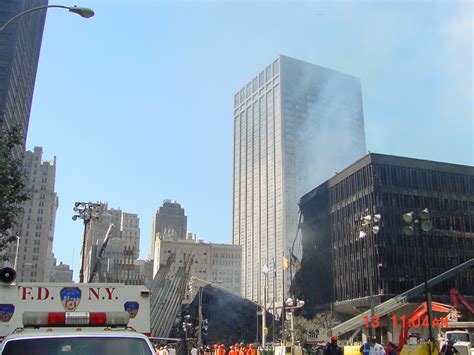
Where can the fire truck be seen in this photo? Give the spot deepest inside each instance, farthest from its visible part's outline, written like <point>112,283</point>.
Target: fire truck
<point>16,299</point>
<point>75,333</point>
<point>94,318</point>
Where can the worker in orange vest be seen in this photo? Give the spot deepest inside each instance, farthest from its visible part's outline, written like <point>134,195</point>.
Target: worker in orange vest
<point>231,351</point>
<point>243,349</point>
<point>251,350</point>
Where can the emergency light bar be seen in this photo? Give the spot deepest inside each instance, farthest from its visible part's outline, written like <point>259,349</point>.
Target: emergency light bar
<point>72,319</point>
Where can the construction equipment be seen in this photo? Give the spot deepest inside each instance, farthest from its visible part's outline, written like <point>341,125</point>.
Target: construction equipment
<point>461,339</point>
<point>456,296</point>
<point>416,315</point>
<point>397,301</point>
<point>101,253</point>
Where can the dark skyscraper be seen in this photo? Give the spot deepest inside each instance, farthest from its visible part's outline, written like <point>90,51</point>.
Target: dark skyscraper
<point>20,45</point>
<point>346,268</point>
<point>169,221</point>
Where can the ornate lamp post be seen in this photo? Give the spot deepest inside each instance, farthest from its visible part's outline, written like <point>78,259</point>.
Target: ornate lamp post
<point>88,212</point>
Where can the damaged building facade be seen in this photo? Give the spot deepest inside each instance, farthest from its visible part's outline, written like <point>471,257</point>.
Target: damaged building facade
<point>342,270</point>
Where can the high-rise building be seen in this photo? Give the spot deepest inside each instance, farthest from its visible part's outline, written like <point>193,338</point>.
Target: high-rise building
<point>61,273</point>
<point>20,45</point>
<point>348,265</point>
<point>36,224</point>
<point>124,241</point>
<point>170,221</point>
<point>295,124</point>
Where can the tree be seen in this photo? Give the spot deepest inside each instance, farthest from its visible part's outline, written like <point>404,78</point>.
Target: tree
<point>12,179</point>
<point>316,328</point>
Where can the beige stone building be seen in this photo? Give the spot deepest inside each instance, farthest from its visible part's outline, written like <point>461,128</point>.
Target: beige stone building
<point>61,273</point>
<point>36,224</point>
<point>219,264</point>
<point>124,243</point>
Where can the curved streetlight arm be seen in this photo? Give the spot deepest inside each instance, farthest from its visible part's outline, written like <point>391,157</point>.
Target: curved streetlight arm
<point>83,11</point>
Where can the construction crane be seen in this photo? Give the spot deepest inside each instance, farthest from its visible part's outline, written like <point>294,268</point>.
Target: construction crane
<point>101,253</point>
<point>398,301</point>
<point>416,315</point>
<point>456,296</point>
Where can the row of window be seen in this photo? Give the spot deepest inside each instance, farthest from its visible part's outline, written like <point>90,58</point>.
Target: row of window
<point>257,83</point>
<point>425,179</point>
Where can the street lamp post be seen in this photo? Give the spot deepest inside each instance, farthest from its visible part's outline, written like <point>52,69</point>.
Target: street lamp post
<point>88,212</point>
<point>367,222</point>
<point>416,225</point>
<point>81,11</point>
<point>15,264</point>
<point>200,317</point>
<point>292,305</point>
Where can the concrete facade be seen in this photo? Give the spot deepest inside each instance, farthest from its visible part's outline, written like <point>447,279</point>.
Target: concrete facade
<point>61,273</point>
<point>295,124</point>
<point>216,263</point>
<point>124,236</point>
<point>36,224</point>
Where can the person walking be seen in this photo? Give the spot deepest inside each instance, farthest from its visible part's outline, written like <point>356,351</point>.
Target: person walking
<point>392,349</point>
<point>332,348</point>
<point>448,349</point>
<point>372,347</point>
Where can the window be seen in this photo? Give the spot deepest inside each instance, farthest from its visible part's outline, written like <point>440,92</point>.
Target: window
<point>276,67</point>
<point>254,85</point>
<point>268,73</point>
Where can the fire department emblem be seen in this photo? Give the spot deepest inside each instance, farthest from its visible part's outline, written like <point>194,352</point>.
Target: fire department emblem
<point>6,312</point>
<point>70,298</point>
<point>131,308</point>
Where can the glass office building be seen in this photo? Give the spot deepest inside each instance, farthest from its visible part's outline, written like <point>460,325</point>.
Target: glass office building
<point>20,45</point>
<point>295,125</point>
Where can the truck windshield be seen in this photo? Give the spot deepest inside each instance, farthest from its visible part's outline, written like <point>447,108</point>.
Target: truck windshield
<point>77,346</point>
<point>458,337</point>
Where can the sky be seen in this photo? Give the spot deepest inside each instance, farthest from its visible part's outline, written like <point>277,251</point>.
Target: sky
<point>136,103</point>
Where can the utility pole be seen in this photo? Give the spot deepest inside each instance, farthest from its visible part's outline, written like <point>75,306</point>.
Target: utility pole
<point>417,224</point>
<point>264,311</point>
<point>283,315</point>
<point>274,300</point>
<point>88,212</point>
<point>200,317</point>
